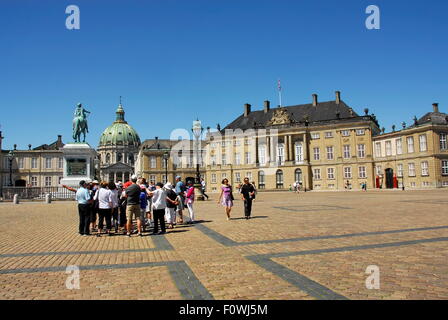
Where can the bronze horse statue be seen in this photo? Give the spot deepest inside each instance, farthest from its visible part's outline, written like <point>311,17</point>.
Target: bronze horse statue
<point>80,123</point>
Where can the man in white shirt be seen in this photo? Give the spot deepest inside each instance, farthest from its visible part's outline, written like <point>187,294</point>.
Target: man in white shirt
<point>159,199</point>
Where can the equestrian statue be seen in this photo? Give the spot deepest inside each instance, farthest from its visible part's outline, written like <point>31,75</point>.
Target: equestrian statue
<point>80,123</point>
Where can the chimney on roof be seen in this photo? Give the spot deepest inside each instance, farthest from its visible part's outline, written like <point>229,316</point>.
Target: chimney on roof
<point>246,110</point>
<point>59,138</point>
<point>314,100</point>
<point>29,146</point>
<point>15,147</point>
<point>267,106</point>
<point>338,97</point>
<point>435,106</point>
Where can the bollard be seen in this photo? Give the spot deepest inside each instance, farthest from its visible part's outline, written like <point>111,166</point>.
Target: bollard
<point>48,198</point>
<point>16,199</point>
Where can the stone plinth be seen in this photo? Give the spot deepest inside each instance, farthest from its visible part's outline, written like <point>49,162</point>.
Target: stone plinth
<point>78,164</point>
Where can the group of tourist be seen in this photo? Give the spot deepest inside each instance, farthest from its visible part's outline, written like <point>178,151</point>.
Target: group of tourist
<point>116,206</point>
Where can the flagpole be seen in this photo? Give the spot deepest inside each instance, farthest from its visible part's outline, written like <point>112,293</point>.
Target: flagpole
<point>279,92</point>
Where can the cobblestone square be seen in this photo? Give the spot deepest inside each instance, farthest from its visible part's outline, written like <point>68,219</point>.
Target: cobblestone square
<point>314,245</point>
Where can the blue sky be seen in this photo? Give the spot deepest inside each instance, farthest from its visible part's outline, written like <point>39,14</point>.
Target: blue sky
<point>173,61</point>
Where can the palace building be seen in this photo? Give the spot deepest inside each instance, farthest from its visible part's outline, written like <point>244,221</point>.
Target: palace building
<point>34,167</point>
<point>161,160</point>
<point>321,145</point>
<point>416,156</point>
<point>118,149</point>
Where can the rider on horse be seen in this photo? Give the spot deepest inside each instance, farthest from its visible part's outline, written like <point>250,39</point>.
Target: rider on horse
<point>80,123</point>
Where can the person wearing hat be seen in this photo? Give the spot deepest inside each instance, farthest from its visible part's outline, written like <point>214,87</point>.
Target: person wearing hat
<point>159,199</point>
<point>83,199</point>
<point>171,203</point>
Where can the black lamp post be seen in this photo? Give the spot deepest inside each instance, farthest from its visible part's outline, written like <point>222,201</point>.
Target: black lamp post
<point>166,156</point>
<point>10,157</point>
<point>197,132</point>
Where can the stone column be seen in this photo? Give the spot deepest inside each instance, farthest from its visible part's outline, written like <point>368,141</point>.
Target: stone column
<point>286,144</point>
<point>305,148</point>
<point>291,149</point>
<point>268,148</point>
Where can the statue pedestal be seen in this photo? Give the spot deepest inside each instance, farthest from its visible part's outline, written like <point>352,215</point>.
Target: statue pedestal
<point>78,164</point>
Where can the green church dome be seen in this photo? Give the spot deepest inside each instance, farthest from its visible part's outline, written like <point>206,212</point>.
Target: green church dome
<point>120,132</point>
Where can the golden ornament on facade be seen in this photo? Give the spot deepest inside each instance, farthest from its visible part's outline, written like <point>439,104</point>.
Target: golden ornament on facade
<point>280,116</point>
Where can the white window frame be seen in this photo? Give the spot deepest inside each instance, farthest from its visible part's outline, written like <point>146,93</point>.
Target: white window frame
<point>425,168</point>
<point>361,151</point>
<point>411,169</point>
<point>410,144</point>
<point>298,152</point>
<point>378,151</point>
<point>362,172</point>
<point>443,141</point>
<point>316,174</point>
<point>348,173</point>
<point>330,174</point>
<point>48,162</point>
<point>399,146</point>
<point>345,133</point>
<point>423,142</point>
<point>347,152</point>
<point>388,144</point>
<point>316,153</point>
<point>330,153</point>
<point>445,167</point>
<point>152,162</point>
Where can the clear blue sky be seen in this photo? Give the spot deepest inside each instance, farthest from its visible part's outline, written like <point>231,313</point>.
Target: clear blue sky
<point>173,61</point>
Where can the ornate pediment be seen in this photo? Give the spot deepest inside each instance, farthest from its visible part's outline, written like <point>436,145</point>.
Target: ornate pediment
<point>280,116</point>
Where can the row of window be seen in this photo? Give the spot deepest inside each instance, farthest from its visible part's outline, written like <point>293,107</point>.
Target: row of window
<point>424,166</point>
<point>423,145</point>
<point>48,162</point>
<point>344,133</point>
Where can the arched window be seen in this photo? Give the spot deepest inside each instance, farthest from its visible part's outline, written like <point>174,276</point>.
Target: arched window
<point>279,179</point>
<point>131,159</point>
<point>119,157</point>
<point>261,180</point>
<point>108,158</point>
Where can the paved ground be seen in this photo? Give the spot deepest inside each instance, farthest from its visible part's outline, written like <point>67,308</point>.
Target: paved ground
<point>311,246</point>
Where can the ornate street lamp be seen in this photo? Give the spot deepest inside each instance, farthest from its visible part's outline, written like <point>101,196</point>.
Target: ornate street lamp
<point>10,157</point>
<point>197,132</point>
<point>166,156</point>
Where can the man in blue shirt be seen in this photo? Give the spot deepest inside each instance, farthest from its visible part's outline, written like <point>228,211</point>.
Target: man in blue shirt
<point>83,199</point>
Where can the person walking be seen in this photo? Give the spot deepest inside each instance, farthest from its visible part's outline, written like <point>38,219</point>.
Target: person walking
<point>180,191</point>
<point>104,197</point>
<point>248,194</point>
<point>255,188</point>
<point>84,200</point>
<point>203,185</point>
<point>171,203</point>
<point>132,194</point>
<point>190,201</point>
<point>159,199</point>
<point>226,197</point>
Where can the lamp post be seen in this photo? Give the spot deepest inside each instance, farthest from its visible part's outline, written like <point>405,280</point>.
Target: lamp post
<point>197,132</point>
<point>166,156</point>
<point>10,157</point>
